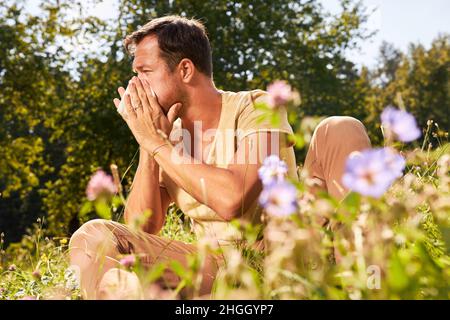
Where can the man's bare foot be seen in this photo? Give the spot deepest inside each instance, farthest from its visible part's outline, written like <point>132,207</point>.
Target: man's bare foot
<point>117,284</point>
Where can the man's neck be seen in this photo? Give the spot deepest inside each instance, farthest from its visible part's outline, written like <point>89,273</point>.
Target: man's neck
<point>204,105</point>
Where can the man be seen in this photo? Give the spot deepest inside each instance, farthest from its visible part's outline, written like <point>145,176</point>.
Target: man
<point>171,105</point>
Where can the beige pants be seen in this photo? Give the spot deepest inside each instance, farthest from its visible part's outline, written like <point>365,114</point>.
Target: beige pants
<point>333,140</point>
<point>95,248</point>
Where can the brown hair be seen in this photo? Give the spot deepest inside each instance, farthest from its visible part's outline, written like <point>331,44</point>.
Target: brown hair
<point>178,38</point>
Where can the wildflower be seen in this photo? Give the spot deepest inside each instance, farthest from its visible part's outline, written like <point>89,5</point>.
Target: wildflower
<point>63,241</point>
<point>100,184</point>
<point>72,277</point>
<point>280,93</point>
<point>279,199</point>
<point>46,280</point>
<point>273,170</point>
<point>36,274</point>
<point>387,233</point>
<point>116,178</point>
<point>400,123</point>
<point>128,261</point>
<point>394,162</point>
<point>372,171</point>
<point>234,261</point>
<point>12,267</point>
<point>443,167</point>
<point>19,293</point>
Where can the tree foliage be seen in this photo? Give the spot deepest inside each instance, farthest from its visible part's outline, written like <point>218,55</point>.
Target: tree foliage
<point>58,120</point>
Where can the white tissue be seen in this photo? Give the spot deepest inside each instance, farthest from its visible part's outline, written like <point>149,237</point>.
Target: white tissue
<point>121,108</point>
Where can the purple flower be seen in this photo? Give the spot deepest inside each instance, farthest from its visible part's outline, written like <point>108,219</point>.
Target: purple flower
<point>279,199</point>
<point>36,274</point>
<point>273,170</point>
<point>372,171</point>
<point>100,184</point>
<point>394,162</point>
<point>401,123</point>
<point>128,261</point>
<point>280,92</point>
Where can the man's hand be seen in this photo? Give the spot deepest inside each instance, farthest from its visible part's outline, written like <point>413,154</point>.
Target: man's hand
<point>144,114</point>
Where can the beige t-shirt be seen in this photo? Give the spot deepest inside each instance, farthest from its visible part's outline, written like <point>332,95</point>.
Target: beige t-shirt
<point>238,119</point>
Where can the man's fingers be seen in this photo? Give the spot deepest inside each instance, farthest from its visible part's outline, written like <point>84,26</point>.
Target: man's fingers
<point>155,108</point>
<point>173,112</point>
<point>116,102</point>
<point>121,91</point>
<point>146,87</point>
<point>128,105</point>
<point>149,91</point>
<point>134,98</point>
<point>142,95</point>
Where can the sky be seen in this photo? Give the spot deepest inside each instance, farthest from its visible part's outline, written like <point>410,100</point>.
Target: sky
<point>399,22</point>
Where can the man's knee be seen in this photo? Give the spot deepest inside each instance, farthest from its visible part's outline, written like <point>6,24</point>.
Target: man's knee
<point>343,129</point>
<point>90,236</point>
<point>340,123</point>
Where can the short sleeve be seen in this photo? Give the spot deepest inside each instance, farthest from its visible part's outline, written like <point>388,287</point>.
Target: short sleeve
<point>249,119</point>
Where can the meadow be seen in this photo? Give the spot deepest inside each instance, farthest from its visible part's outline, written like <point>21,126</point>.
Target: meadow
<point>387,239</point>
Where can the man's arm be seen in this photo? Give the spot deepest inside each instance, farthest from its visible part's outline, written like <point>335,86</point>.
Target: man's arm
<point>147,194</point>
<point>228,191</point>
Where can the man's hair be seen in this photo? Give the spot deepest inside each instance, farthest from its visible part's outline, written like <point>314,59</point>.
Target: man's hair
<point>178,38</point>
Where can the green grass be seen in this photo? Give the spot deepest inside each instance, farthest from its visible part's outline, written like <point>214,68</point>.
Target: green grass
<point>37,266</point>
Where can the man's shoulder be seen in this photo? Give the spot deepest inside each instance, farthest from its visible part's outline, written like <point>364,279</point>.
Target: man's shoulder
<point>255,93</point>
<point>244,99</point>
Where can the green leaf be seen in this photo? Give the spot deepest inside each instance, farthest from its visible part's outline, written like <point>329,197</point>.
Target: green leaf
<point>156,272</point>
<point>397,277</point>
<point>85,209</point>
<point>178,268</point>
<point>298,139</point>
<point>352,203</point>
<point>102,209</point>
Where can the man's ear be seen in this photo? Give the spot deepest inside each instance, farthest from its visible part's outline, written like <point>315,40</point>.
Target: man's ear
<point>187,69</point>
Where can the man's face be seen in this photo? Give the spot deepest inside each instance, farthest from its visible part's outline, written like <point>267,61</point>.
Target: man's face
<point>148,62</point>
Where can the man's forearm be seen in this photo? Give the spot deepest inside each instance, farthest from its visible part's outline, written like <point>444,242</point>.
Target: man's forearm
<point>218,188</point>
<point>145,194</point>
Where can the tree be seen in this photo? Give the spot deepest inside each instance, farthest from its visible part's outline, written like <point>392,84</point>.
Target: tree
<point>420,78</point>
<point>72,129</point>
<point>37,91</point>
